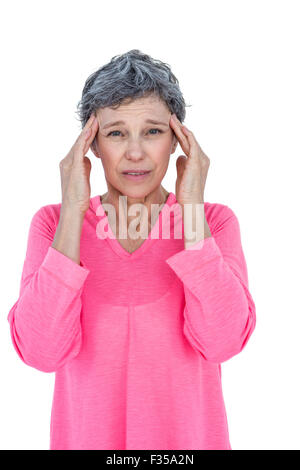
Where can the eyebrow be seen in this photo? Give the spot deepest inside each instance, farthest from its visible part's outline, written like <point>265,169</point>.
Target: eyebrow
<point>150,121</point>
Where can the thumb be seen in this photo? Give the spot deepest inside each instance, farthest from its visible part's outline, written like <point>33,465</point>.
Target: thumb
<point>87,164</point>
<point>180,165</point>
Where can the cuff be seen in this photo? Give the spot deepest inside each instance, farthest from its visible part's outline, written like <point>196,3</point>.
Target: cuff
<point>193,258</point>
<point>65,269</point>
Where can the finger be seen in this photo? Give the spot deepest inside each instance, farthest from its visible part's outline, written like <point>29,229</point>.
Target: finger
<point>89,122</point>
<point>177,127</point>
<point>90,137</point>
<point>190,136</point>
<point>85,140</point>
<point>87,126</point>
<point>180,165</point>
<point>194,144</point>
<point>88,164</point>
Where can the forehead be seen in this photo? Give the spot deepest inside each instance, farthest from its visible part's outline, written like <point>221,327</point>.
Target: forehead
<point>150,107</point>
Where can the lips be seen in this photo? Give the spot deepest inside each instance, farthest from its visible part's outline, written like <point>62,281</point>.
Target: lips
<point>138,176</point>
<point>137,172</point>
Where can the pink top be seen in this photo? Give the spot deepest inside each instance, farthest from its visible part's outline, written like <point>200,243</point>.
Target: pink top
<point>135,340</point>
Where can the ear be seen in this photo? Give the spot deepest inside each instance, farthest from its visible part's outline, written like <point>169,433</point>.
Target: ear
<point>94,149</point>
<point>174,144</point>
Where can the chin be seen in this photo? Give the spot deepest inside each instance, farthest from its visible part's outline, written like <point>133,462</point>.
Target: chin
<point>139,192</point>
<point>136,194</point>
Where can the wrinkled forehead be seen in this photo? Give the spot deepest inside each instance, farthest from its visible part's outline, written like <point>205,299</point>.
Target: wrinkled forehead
<point>141,109</point>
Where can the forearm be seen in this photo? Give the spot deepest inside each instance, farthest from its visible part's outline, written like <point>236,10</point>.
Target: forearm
<point>68,233</point>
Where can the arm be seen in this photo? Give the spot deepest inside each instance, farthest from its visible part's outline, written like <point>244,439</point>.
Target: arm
<point>45,320</point>
<point>219,313</point>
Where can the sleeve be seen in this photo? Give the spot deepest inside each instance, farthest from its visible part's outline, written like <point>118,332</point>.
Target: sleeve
<point>45,320</point>
<point>219,312</point>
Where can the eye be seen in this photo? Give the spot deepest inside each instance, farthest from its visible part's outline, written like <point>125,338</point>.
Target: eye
<point>158,131</point>
<point>112,132</point>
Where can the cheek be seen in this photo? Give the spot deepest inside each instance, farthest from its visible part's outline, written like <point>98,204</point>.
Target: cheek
<point>161,162</point>
<point>109,163</point>
<point>104,145</point>
<point>108,152</point>
<point>162,145</point>
<point>161,152</point>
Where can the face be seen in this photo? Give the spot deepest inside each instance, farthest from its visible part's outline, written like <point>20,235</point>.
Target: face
<point>135,144</point>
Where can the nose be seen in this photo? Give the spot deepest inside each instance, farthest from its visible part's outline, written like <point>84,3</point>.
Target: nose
<point>134,151</point>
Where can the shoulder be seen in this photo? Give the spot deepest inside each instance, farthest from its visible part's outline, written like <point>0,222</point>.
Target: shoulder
<point>49,214</point>
<point>218,215</point>
<point>46,217</point>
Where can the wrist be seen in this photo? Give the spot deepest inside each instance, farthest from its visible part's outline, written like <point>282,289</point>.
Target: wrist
<point>71,212</point>
<point>70,218</point>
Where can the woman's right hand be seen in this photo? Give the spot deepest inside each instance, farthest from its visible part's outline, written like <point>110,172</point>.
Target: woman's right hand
<point>75,170</point>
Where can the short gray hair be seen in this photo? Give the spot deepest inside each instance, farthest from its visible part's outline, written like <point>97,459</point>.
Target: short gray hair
<point>127,77</point>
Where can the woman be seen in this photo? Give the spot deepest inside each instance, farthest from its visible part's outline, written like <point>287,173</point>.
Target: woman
<point>135,328</point>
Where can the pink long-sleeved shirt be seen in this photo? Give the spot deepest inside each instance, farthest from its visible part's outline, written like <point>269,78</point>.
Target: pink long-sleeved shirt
<point>135,340</point>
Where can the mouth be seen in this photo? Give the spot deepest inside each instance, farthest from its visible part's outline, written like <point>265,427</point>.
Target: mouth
<point>137,175</point>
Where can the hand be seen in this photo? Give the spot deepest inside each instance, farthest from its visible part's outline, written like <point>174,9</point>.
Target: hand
<point>75,170</point>
<point>192,167</point>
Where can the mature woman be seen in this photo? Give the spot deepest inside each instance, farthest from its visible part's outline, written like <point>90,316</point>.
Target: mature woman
<point>135,327</point>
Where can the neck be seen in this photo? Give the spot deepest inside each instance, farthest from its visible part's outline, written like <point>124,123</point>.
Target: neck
<point>114,197</point>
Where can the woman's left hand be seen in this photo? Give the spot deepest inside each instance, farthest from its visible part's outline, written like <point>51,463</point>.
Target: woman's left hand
<point>192,167</point>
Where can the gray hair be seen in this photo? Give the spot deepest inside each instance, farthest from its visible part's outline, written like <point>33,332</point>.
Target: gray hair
<point>127,77</point>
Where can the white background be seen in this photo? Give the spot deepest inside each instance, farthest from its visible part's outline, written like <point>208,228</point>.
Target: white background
<point>238,66</point>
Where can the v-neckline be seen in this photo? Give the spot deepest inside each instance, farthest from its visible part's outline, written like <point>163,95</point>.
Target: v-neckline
<point>111,238</point>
